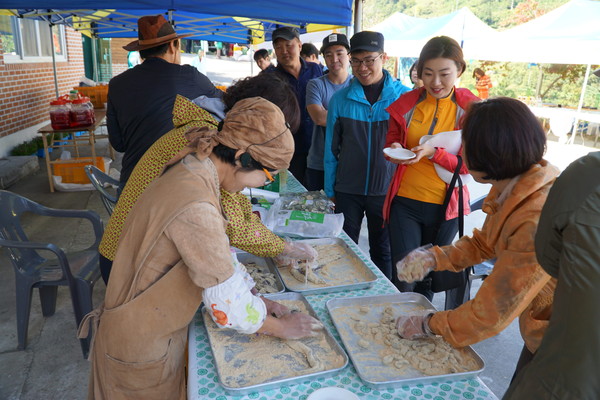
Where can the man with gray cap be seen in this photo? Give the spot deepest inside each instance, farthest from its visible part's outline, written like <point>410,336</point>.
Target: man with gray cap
<point>296,71</point>
<point>356,173</point>
<point>318,93</point>
<point>140,100</point>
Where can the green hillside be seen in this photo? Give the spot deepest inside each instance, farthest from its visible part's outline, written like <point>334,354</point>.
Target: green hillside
<point>547,83</point>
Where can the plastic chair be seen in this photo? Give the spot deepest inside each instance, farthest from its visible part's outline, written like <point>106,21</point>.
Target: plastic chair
<point>481,271</point>
<point>77,270</point>
<point>99,179</point>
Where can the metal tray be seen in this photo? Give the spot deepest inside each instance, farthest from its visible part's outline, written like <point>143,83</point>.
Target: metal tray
<point>367,362</point>
<point>245,258</point>
<point>236,340</point>
<point>365,279</point>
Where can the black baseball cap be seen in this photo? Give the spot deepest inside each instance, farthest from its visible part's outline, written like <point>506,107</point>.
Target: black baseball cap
<point>285,32</point>
<point>335,39</point>
<point>366,41</point>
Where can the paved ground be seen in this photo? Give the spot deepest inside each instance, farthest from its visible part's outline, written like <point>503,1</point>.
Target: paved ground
<point>52,366</point>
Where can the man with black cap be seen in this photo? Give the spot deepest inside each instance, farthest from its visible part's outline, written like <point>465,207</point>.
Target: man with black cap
<point>356,173</point>
<point>296,71</point>
<point>318,94</point>
<point>140,100</point>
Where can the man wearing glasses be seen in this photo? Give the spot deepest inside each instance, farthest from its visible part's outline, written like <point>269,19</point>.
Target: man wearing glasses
<point>356,174</point>
<point>318,94</point>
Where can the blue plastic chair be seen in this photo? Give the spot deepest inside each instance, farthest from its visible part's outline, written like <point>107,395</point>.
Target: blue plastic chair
<point>99,179</point>
<point>77,270</point>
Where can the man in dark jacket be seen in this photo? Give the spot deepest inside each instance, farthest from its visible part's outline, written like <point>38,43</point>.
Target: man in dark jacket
<point>140,100</point>
<point>567,246</point>
<point>296,71</point>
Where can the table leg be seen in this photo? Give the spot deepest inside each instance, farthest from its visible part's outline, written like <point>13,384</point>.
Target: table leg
<point>48,165</point>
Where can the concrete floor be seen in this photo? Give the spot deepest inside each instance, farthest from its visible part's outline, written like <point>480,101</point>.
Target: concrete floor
<point>52,366</point>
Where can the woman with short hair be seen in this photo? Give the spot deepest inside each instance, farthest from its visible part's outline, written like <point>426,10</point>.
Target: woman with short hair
<point>503,145</point>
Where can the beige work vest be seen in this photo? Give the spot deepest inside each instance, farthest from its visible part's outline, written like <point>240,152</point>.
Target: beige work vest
<point>139,344</point>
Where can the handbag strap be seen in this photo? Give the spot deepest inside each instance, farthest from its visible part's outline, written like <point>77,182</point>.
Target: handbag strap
<point>455,178</point>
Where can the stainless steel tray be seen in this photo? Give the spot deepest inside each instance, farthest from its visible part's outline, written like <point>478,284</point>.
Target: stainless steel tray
<point>341,277</point>
<point>368,362</point>
<point>267,263</point>
<point>235,341</point>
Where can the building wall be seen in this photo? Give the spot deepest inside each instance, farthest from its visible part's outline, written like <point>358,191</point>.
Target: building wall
<point>119,55</point>
<point>26,89</point>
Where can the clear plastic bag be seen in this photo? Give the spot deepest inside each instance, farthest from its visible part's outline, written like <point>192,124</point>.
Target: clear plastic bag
<point>315,201</point>
<point>303,224</point>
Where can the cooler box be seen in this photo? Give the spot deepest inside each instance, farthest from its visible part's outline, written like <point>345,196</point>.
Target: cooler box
<point>73,172</point>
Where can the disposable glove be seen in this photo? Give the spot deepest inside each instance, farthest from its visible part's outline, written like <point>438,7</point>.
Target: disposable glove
<point>414,325</point>
<point>416,265</point>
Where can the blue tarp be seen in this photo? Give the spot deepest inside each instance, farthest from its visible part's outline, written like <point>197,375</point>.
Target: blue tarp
<point>334,12</point>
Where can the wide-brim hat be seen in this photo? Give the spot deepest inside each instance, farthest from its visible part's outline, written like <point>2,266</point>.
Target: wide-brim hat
<point>153,31</point>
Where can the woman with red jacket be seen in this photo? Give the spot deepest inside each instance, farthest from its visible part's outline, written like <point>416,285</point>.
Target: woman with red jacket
<point>415,198</point>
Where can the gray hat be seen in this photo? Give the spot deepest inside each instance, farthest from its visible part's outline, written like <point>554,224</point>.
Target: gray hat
<point>597,73</point>
<point>285,32</point>
<point>335,39</point>
<point>366,41</point>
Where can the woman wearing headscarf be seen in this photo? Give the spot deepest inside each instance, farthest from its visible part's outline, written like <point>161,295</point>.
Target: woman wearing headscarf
<point>174,254</point>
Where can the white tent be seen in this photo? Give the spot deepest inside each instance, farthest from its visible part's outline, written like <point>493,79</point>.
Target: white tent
<point>461,25</point>
<point>569,34</point>
<point>394,27</point>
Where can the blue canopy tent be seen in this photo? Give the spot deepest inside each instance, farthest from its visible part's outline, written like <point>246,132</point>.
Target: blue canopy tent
<point>235,21</point>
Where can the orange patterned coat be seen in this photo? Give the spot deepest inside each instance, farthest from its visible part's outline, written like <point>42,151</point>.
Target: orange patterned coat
<point>517,286</point>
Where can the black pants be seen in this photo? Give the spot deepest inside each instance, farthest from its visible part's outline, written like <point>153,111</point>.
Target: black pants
<point>105,267</point>
<point>355,207</point>
<point>315,179</point>
<point>298,167</point>
<point>413,224</point>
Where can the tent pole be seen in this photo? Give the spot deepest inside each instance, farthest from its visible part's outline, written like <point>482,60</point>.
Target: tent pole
<point>580,105</point>
<point>53,61</point>
<point>358,13</point>
<point>95,60</point>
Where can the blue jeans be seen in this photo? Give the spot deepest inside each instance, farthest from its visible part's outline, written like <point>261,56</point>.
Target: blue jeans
<point>355,207</point>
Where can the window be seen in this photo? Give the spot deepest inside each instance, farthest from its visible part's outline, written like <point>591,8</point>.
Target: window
<point>28,40</point>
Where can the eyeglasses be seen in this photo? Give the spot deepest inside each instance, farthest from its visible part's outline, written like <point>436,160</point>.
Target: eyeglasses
<point>269,176</point>
<point>355,62</point>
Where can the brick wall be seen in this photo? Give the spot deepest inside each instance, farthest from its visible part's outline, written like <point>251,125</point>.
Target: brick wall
<point>119,55</point>
<point>26,89</point>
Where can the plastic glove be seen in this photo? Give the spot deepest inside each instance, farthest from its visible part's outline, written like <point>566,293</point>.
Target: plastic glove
<point>414,325</point>
<point>295,251</point>
<point>299,251</point>
<point>298,325</point>
<point>274,308</point>
<point>416,265</point>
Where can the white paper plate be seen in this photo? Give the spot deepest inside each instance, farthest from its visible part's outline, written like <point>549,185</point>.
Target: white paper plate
<point>332,393</point>
<point>399,153</point>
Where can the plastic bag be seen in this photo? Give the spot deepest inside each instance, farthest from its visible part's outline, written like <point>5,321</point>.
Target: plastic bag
<point>315,201</point>
<point>304,224</point>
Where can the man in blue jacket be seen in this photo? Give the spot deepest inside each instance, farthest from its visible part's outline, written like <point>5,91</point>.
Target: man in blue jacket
<point>356,174</point>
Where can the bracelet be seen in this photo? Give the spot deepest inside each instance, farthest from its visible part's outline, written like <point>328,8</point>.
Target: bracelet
<point>426,329</point>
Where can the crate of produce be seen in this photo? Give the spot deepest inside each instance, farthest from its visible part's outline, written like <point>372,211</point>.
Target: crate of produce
<point>72,171</point>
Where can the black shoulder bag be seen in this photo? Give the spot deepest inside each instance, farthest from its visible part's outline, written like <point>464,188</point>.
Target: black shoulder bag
<point>445,280</point>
